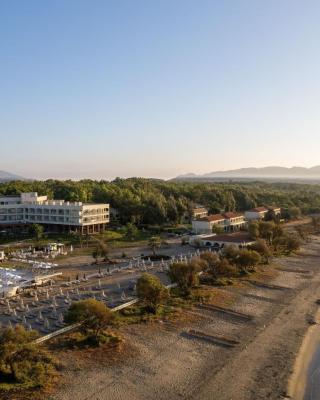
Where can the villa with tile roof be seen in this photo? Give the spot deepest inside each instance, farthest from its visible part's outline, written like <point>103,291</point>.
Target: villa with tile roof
<point>229,222</point>
<point>263,213</point>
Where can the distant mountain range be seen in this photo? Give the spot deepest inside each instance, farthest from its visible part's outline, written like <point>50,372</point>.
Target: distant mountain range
<point>8,176</point>
<point>265,172</point>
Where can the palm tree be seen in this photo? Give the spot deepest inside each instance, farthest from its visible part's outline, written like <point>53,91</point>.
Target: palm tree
<point>154,243</point>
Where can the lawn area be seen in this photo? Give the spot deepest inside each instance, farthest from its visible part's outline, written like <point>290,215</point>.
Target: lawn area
<point>120,236</point>
<point>115,237</point>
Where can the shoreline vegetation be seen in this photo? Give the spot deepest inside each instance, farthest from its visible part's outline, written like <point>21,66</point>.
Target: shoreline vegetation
<point>274,334</point>
<point>279,285</point>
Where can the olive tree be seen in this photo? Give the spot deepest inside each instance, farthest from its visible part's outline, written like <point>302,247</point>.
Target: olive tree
<point>253,229</point>
<point>185,275</point>
<point>22,361</point>
<point>291,243</point>
<point>267,230</point>
<point>100,251</point>
<point>218,266</point>
<point>36,231</point>
<point>211,261</point>
<point>294,213</point>
<point>93,315</point>
<point>154,243</point>
<point>248,259</point>
<point>131,231</point>
<point>261,247</point>
<point>231,253</point>
<point>151,291</point>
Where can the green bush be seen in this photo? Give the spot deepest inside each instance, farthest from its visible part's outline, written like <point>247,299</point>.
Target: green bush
<point>151,291</point>
<point>30,373</point>
<point>185,275</point>
<point>93,315</point>
<point>21,360</point>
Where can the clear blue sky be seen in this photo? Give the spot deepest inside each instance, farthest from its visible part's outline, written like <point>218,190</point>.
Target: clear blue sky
<point>98,88</point>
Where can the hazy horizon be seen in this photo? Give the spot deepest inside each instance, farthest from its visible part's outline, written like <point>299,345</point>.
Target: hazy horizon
<point>101,89</point>
<point>219,173</point>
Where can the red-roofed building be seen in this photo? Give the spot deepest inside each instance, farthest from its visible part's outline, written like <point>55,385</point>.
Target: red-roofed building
<point>239,239</point>
<point>263,213</point>
<point>228,222</point>
<point>206,224</point>
<point>197,212</point>
<point>234,221</point>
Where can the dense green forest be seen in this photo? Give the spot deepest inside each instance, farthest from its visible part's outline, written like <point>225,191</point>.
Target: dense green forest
<point>146,201</point>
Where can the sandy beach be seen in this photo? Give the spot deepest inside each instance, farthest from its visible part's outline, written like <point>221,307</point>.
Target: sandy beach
<point>298,380</point>
<point>167,362</point>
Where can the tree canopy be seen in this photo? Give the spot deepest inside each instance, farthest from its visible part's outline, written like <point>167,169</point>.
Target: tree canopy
<point>94,315</point>
<point>147,201</point>
<point>36,231</point>
<point>185,275</point>
<point>151,291</point>
<point>21,360</point>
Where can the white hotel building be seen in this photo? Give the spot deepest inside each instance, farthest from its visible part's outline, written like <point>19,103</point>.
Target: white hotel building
<point>54,215</point>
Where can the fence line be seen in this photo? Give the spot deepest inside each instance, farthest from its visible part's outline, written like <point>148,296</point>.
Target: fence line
<point>57,333</point>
